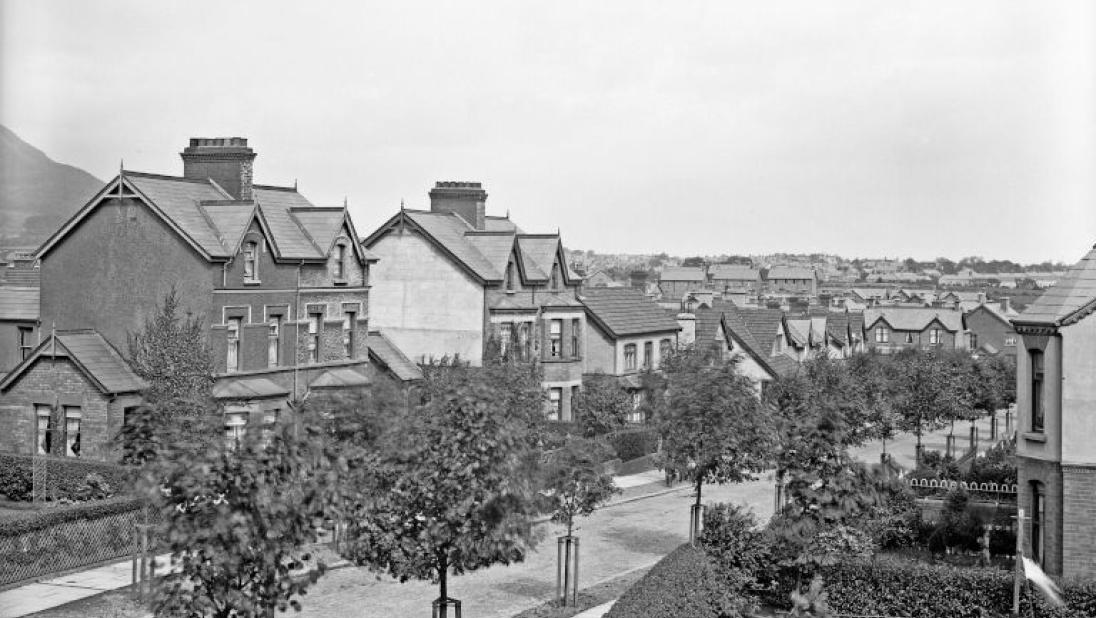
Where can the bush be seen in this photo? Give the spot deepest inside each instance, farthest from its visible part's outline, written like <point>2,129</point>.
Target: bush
<point>67,478</point>
<point>632,443</point>
<point>684,583</point>
<point>998,466</point>
<point>41,520</point>
<point>731,539</point>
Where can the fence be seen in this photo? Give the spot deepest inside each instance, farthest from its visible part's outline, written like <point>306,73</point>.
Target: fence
<point>62,540</point>
<point>935,486</point>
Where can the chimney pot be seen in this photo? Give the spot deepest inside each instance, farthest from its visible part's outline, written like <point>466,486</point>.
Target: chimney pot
<point>228,161</point>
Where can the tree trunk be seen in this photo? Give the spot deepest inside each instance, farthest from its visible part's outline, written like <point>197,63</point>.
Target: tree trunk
<point>443,569</point>
<point>698,485</point>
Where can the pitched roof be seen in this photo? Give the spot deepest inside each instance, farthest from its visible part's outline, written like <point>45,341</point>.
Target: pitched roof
<point>799,330</point>
<point>763,324</point>
<point>626,311</point>
<point>735,272</point>
<point>340,377</point>
<point>19,303</point>
<point>682,273</point>
<point>384,352</point>
<point>736,327</point>
<point>91,354</point>
<point>914,319</point>
<point>213,222</point>
<point>541,249</point>
<point>248,388</point>
<point>790,272</point>
<point>1072,298</point>
<point>837,325</point>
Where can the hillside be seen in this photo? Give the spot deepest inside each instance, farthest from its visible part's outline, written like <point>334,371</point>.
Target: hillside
<point>37,194</point>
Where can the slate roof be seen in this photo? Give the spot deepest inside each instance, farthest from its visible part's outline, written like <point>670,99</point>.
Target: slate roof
<point>1072,298</point>
<point>682,273</point>
<point>542,250</point>
<point>799,330</point>
<point>19,304</point>
<point>214,222</point>
<point>341,377</point>
<point>91,354</point>
<point>733,272</point>
<point>626,311</point>
<point>707,325</point>
<point>736,327</point>
<point>913,319</point>
<point>837,325</point>
<point>248,388</point>
<point>763,324</point>
<point>790,272</point>
<point>384,352</point>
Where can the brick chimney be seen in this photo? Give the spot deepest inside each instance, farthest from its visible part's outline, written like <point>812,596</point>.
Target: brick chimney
<point>1006,304</point>
<point>226,160</point>
<point>638,279</point>
<point>466,199</point>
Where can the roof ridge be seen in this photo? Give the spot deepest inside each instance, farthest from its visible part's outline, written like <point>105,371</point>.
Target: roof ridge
<point>166,177</point>
<point>315,208</point>
<point>274,188</point>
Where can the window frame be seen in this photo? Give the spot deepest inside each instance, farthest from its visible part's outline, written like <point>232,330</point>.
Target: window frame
<point>882,334</point>
<point>43,434</point>
<point>629,357</point>
<point>576,330</point>
<point>555,403</point>
<point>233,336</point>
<point>648,354</point>
<point>72,416</point>
<point>350,318</point>
<point>1037,361</point>
<point>273,341</point>
<point>555,338</point>
<point>251,261</point>
<point>24,335</point>
<point>340,262</point>
<point>934,336</point>
<point>315,335</point>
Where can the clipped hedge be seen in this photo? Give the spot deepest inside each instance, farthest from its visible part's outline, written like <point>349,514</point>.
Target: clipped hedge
<point>684,583</point>
<point>66,477</point>
<point>912,589</point>
<point>633,443</point>
<point>41,520</point>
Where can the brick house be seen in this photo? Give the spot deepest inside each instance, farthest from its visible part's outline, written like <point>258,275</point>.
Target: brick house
<point>890,329</point>
<point>723,329</point>
<point>67,398</point>
<point>629,333</point>
<point>281,284</point>
<point>675,282</point>
<point>990,328</point>
<point>452,279</point>
<point>734,278</point>
<point>1056,429</point>
<point>18,325</point>
<point>793,280</point>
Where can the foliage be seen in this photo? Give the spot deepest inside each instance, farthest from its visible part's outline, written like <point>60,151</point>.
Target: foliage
<point>714,427</point>
<point>67,478</point>
<point>573,483</point>
<point>811,602</point>
<point>454,486</point>
<point>633,443</point>
<point>235,521</point>
<point>684,583</point>
<point>998,466</point>
<point>926,390</point>
<point>601,407</point>
<point>732,540</point>
<point>936,465</point>
<point>959,528</point>
<point>42,520</point>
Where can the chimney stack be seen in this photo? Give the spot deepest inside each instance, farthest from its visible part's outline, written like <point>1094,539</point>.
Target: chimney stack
<point>466,199</point>
<point>1006,304</point>
<point>638,279</point>
<point>226,160</point>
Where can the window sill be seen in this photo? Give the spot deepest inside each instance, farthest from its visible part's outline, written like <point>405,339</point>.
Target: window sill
<point>252,282</point>
<point>1034,436</point>
<point>340,282</point>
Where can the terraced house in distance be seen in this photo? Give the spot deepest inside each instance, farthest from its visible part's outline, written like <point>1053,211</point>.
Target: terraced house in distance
<point>451,278</point>
<point>281,284</point>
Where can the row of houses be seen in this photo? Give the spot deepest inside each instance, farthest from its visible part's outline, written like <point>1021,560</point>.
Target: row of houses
<point>293,301</point>
<point>675,282</point>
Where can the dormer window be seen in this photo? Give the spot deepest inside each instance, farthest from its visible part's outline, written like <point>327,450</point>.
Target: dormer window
<point>340,261</point>
<point>555,276</point>
<point>509,276</point>
<point>251,265</point>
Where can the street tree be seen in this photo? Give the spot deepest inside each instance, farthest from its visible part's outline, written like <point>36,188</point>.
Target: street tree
<point>924,393</point>
<point>602,406</point>
<point>575,483</point>
<point>456,488</point>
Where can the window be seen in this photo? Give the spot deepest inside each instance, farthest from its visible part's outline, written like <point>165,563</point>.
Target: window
<point>45,428</point>
<point>340,261</point>
<point>235,427</point>
<point>25,344</point>
<point>1010,341</point>
<point>636,415</point>
<point>555,276</point>
<point>909,337</point>
<point>555,403</point>
<point>934,336</point>
<point>555,338</point>
<point>251,252</point>
<point>882,334</point>
<point>233,359</point>
<point>574,397</point>
<point>1038,506</point>
<point>72,431</point>
<point>1037,409</point>
<point>270,421</point>
<point>525,342</point>
<point>506,332</point>
<point>648,354</point>
<point>315,326</point>
<point>509,276</point>
<point>973,341</point>
<point>349,321</point>
<point>630,357</point>
<point>576,327</point>
<point>273,337</point>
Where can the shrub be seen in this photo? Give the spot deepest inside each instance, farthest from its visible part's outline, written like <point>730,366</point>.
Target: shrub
<point>66,478</point>
<point>632,443</point>
<point>731,539</point>
<point>41,520</point>
<point>684,583</point>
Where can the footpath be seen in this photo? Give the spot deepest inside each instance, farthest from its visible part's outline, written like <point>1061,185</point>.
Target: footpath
<point>54,592</point>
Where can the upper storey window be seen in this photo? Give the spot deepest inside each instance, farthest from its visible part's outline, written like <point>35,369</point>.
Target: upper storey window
<point>251,262</point>
<point>1037,404</point>
<point>509,276</point>
<point>555,276</point>
<point>340,261</point>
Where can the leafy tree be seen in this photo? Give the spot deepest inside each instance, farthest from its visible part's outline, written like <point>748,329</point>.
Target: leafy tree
<point>713,425</point>
<point>602,406</point>
<point>693,261</point>
<point>574,482</point>
<point>456,487</point>
<point>236,520</point>
<point>924,393</point>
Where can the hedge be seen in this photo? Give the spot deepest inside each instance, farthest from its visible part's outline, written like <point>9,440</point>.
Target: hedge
<point>40,520</point>
<point>684,583</point>
<point>933,590</point>
<point>65,476</point>
<point>630,444</point>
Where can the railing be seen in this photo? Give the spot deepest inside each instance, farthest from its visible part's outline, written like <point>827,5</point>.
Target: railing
<point>931,486</point>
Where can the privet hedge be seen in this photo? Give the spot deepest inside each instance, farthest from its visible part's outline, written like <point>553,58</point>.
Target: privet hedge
<point>684,583</point>
<point>632,443</point>
<point>65,476</point>
<point>42,520</point>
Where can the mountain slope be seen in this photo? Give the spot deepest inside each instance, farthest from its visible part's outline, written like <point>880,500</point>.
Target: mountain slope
<point>37,194</point>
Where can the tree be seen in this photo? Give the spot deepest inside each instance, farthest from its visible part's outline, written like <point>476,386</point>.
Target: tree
<point>923,392</point>
<point>713,425</point>
<point>602,406</point>
<point>456,481</point>
<point>574,482</point>
<point>236,520</point>
<point>693,261</point>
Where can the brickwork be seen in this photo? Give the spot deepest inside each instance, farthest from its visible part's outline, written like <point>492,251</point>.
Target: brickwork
<point>988,329</point>
<point>1079,520</point>
<point>1049,474</point>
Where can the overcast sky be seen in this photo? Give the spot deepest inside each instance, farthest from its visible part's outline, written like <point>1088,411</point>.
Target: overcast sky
<point>860,128</point>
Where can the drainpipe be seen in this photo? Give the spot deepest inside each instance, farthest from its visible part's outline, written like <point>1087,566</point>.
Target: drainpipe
<point>297,330</point>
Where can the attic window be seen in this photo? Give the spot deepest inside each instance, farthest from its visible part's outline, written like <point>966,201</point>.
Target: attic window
<point>340,261</point>
<point>251,265</point>
<point>555,276</point>
<point>509,276</point>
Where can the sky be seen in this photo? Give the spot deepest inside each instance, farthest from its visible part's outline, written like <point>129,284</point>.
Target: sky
<point>867,129</point>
